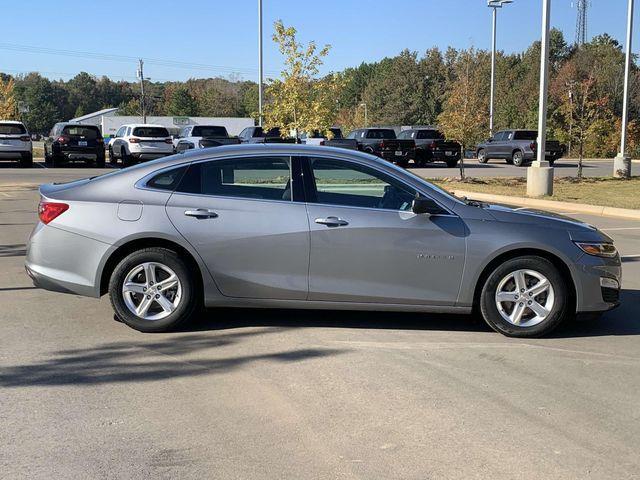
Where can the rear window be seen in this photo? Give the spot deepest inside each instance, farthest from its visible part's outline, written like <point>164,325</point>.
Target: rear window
<point>526,135</point>
<point>150,132</point>
<point>81,131</point>
<point>205,131</point>
<point>12,129</point>
<point>430,134</point>
<point>381,133</point>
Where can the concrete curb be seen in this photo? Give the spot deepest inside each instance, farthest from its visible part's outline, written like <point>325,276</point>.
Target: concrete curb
<point>553,205</point>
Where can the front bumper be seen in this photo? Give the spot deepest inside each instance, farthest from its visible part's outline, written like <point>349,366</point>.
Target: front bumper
<point>62,261</point>
<point>594,282</point>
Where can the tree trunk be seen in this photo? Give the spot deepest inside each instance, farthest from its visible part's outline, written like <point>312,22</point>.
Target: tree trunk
<point>580,159</point>
<point>461,163</point>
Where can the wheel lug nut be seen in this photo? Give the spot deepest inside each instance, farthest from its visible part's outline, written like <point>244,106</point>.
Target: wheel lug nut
<point>157,296</point>
<point>521,290</point>
<point>144,289</point>
<point>529,302</point>
<point>148,297</point>
<point>521,304</point>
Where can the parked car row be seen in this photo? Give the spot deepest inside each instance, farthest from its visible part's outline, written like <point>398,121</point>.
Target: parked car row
<point>133,143</point>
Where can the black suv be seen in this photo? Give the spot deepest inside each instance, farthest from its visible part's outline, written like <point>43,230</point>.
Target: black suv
<point>74,141</point>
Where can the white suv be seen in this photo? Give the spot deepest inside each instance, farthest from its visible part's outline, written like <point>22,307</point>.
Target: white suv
<point>139,142</point>
<point>15,143</point>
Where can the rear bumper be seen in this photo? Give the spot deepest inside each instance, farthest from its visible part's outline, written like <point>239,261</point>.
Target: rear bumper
<point>62,261</point>
<point>14,154</point>
<point>390,155</point>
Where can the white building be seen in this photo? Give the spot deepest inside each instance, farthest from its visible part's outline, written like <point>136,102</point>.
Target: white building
<point>109,122</point>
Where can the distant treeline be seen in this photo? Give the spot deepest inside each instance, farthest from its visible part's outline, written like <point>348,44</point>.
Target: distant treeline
<point>407,89</point>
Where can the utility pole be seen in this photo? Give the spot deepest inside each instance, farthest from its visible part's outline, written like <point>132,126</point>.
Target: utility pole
<point>622,163</point>
<point>366,123</point>
<point>260,61</point>
<point>494,5</point>
<point>142,99</point>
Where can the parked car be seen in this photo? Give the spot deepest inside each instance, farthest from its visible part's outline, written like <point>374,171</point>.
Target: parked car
<point>138,143</point>
<point>316,138</point>
<point>297,226</point>
<point>431,146</point>
<point>202,136</point>
<point>15,143</point>
<point>258,135</point>
<point>383,143</point>
<point>71,142</point>
<point>517,147</point>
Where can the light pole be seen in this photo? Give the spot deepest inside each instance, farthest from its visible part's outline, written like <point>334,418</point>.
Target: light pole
<point>495,5</point>
<point>540,174</point>
<point>622,163</point>
<point>364,104</point>
<point>260,62</point>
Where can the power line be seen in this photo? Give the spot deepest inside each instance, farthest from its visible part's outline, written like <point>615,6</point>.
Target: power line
<point>125,58</point>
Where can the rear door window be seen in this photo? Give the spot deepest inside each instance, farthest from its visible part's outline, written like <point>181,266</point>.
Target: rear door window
<point>150,132</point>
<point>12,129</point>
<point>263,178</point>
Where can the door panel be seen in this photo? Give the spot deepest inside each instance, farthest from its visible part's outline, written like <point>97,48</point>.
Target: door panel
<point>254,247</point>
<point>385,256</point>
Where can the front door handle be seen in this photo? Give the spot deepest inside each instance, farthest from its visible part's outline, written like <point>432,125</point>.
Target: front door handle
<point>201,213</point>
<point>332,222</point>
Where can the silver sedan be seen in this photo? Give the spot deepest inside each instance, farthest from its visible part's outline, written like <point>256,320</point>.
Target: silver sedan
<point>292,226</point>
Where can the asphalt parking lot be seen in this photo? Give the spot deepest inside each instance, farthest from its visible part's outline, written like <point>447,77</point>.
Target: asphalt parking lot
<point>298,394</point>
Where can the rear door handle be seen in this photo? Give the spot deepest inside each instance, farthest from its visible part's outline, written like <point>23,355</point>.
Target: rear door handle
<point>201,213</point>
<point>332,222</point>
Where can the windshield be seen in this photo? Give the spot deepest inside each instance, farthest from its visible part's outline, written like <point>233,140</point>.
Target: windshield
<point>526,135</point>
<point>89,132</point>
<point>384,133</point>
<point>209,131</point>
<point>150,132</point>
<point>12,129</point>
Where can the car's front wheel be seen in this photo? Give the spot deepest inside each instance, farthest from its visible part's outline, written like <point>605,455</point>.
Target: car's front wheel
<point>152,290</point>
<point>525,297</point>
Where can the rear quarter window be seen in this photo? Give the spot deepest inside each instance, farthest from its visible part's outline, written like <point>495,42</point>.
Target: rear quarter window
<point>168,180</point>
<point>527,135</point>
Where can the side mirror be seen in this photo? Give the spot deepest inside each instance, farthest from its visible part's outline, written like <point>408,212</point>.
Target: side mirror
<point>423,206</point>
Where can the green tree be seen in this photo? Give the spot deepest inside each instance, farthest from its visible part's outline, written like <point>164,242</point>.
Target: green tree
<point>299,101</point>
<point>465,114</point>
<point>41,97</point>
<point>181,103</point>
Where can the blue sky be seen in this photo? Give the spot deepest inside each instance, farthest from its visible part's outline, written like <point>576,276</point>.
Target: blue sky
<point>222,34</point>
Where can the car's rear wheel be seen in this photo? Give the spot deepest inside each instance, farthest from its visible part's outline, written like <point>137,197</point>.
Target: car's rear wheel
<point>100,160</point>
<point>517,158</point>
<point>26,161</point>
<point>113,160</point>
<point>525,297</point>
<point>152,290</point>
<point>482,156</point>
<point>127,160</point>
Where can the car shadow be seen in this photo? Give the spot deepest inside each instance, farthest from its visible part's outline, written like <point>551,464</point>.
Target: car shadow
<point>154,358</point>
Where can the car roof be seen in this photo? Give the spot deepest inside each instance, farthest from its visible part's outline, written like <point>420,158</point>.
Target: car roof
<point>135,125</point>
<point>12,122</point>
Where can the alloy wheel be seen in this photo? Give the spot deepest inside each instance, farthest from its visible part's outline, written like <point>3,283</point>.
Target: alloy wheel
<point>524,298</point>
<point>151,291</point>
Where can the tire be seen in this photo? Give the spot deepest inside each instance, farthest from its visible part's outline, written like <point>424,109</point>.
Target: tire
<point>127,160</point>
<point>502,316</point>
<point>113,160</point>
<point>517,158</point>
<point>482,157</point>
<point>178,303</point>
<point>452,163</point>
<point>404,163</point>
<point>100,161</point>
<point>26,161</point>
<point>551,162</point>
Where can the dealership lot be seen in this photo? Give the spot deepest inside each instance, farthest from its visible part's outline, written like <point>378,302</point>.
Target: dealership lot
<point>293,394</point>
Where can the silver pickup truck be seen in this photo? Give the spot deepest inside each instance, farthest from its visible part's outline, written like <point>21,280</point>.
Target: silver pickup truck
<point>517,147</point>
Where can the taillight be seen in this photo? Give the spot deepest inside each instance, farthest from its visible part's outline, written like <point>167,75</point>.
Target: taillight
<point>432,145</point>
<point>321,142</point>
<point>533,145</point>
<point>25,138</point>
<point>47,211</point>
<point>382,144</point>
<point>63,139</point>
<point>134,140</point>
<point>168,140</point>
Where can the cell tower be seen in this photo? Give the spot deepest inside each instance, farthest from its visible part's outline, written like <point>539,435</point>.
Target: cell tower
<point>581,22</point>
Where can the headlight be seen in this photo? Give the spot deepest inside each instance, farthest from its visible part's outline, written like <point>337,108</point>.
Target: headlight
<point>598,249</point>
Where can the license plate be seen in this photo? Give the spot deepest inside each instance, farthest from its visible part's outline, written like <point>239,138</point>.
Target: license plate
<point>547,153</point>
<point>449,154</point>
<point>82,144</point>
<point>398,153</point>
